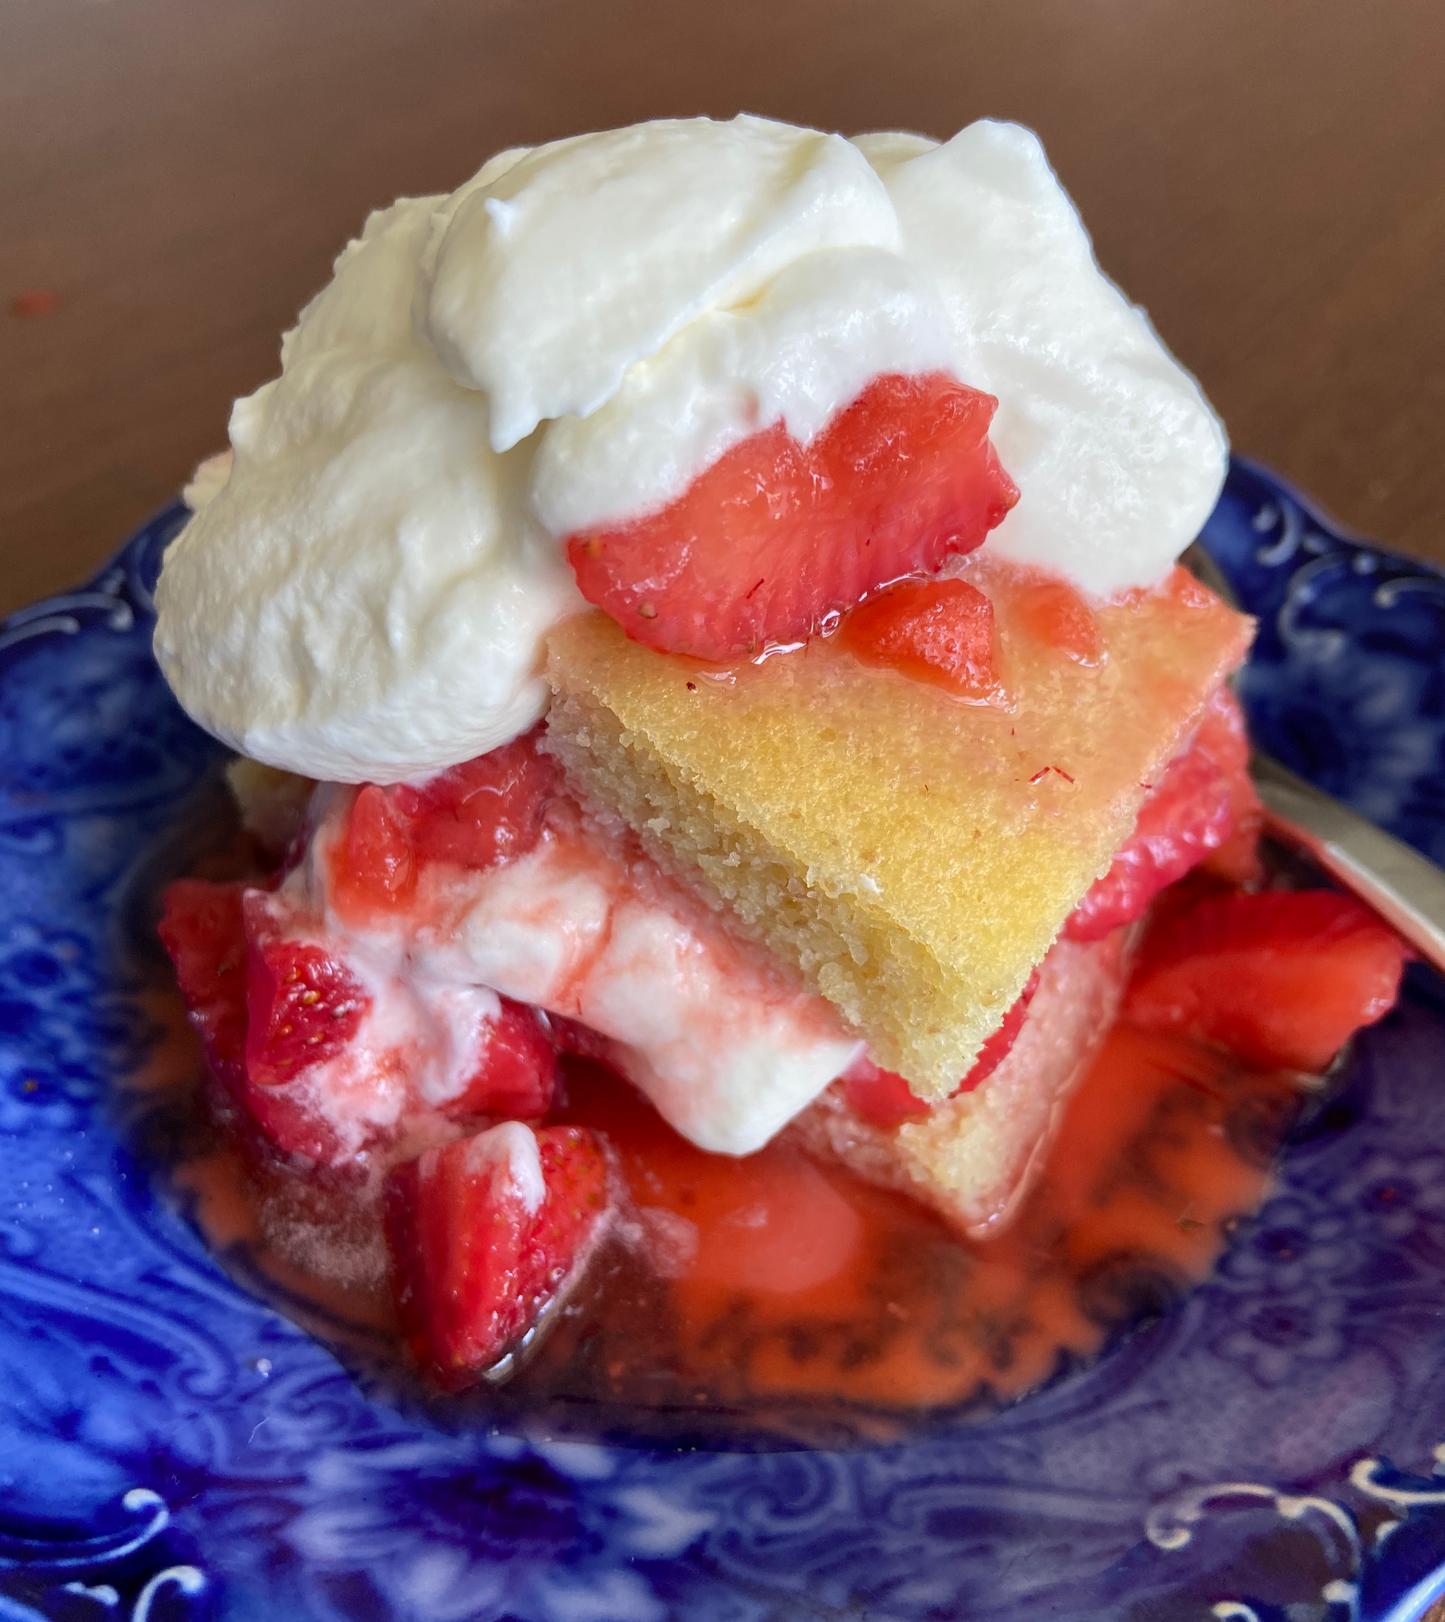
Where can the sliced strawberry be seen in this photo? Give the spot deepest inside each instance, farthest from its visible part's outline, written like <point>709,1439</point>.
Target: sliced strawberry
<point>998,1046</point>
<point>485,811</point>
<point>202,931</point>
<point>517,1076</point>
<point>376,866</point>
<point>776,536</point>
<point>1189,814</point>
<point>1204,810</point>
<point>303,1006</point>
<point>884,1099</point>
<point>484,1234</point>
<point>1281,978</point>
<point>938,631</point>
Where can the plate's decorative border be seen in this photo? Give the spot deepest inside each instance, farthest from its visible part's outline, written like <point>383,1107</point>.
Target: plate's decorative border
<point>1347,678</point>
<point>171,1447</point>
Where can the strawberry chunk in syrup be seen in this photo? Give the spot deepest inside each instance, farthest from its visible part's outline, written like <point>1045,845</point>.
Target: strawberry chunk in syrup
<point>1204,808</point>
<point>1281,978</point>
<point>516,1077</point>
<point>302,1006</point>
<point>937,631</point>
<point>885,1100</point>
<point>201,930</point>
<point>775,536</point>
<point>283,1023</point>
<point>485,1234</point>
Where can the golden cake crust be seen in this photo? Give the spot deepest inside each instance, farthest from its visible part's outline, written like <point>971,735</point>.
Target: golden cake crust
<point>914,854</point>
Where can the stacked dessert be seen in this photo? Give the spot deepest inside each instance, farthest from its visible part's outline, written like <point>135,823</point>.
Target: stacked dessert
<point>703,597</point>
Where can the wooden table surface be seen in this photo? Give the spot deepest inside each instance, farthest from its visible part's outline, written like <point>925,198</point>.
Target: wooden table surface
<point>1266,176</point>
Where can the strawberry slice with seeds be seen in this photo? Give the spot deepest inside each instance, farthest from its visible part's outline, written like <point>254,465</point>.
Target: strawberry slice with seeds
<point>303,1006</point>
<point>775,536</point>
<point>203,929</point>
<point>1282,978</point>
<point>485,1235</point>
<point>938,631</point>
<point>885,1100</point>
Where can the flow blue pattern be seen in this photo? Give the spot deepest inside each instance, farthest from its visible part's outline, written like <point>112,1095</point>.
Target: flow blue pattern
<point>171,1447</point>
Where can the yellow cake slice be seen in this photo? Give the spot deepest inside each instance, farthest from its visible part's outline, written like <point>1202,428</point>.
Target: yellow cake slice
<point>912,853</point>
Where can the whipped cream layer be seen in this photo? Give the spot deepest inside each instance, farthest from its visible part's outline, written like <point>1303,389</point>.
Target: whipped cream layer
<point>724,1044</point>
<point>571,338</point>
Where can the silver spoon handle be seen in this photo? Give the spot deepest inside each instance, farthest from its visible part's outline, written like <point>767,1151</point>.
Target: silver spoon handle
<point>1404,887</point>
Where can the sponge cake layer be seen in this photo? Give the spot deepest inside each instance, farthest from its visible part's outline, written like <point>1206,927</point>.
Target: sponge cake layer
<point>912,853</point>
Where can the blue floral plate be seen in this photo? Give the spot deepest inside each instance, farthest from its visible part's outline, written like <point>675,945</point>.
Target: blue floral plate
<point>172,1446</point>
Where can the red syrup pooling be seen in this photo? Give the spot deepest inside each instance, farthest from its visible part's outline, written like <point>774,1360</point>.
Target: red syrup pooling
<point>778,1295</point>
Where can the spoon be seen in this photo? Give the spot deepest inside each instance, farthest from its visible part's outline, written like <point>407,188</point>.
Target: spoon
<point>1405,888</point>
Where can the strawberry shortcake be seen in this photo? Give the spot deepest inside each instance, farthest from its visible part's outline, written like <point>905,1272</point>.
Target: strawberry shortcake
<point>700,600</point>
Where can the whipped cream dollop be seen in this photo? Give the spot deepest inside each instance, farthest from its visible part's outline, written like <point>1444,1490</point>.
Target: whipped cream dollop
<point>727,1047</point>
<point>572,337</point>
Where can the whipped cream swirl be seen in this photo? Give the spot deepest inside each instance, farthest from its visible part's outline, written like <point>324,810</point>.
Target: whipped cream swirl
<point>575,334</point>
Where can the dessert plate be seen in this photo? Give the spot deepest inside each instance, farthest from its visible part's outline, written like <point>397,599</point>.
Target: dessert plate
<point>172,1447</point>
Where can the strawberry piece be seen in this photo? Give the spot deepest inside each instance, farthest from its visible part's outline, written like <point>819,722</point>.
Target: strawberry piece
<point>884,1099</point>
<point>377,864</point>
<point>938,631</point>
<point>201,930</point>
<point>303,1007</point>
<point>998,1046</point>
<point>1281,979</point>
<point>485,1234</point>
<point>1204,808</point>
<point>485,811</point>
<point>1223,737</point>
<point>517,1077</point>
<point>1052,611</point>
<point>776,536</point>
<point>1189,814</point>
